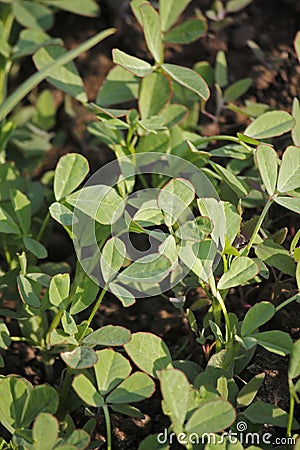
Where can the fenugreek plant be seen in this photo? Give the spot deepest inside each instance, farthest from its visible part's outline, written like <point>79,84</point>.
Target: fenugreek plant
<point>168,189</point>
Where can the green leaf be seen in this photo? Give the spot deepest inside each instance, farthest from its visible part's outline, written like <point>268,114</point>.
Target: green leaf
<point>152,442</point>
<point>227,444</point>
<point>59,337</point>
<point>248,392</point>
<point>109,335</point>
<point>9,175</point>
<point>134,65</point>
<point>104,133</point>
<point>66,447</point>
<point>100,202</point>
<point>149,214</point>
<point>5,340</point>
<point>4,45</point>
<point>148,352</point>
<point>62,214</point>
<point>128,410</point>
<point>196,230</point>
<point>237,185</point>
<point>188,31</point>
<point>152,31</point>
<point>236,5</point>
<point>84,295</point>
<point>87,391</point>
<point>189,368</point>
<point>135,388</point>
<point>35,247</point>
<point>32,15</point>
<point>206,71</point>
<point>152,124</point>
<point>270,124</point>
<point>211,417</point>
<point>68,323</point>
<point>151,268</point>
<point>136,9</point>
<point>265,413</point>
<point>289,173</point>
<point>217,332</point>
<point>42,399</point>
<point>89,8</point>
<point>175,390</point>
<point>174,198</point>
<point>14,394</point>
<point>149,103</point>
<point>70,172</point>
<point>214,210</point>
<point>112,258</point>
<point>237,89</point>
<point>22,208</point>
<point>233,221</point>
<point>120,86</point>
<point>242,269</point>
<point>154,143</point>
<point>7,224</point>
<point>294,367</point>
<point>59,290</point>
<point>221,73</point>
<point>257,316</point>
<point>267,163</point>
<point>296,115</point>
<point>45,431</point>
<point>170,10</point>
<point>289,202</point>
<point>30,41</point>
<point>275,341</point>
<point>125,297</point>
<point>199,257</point>
<point>80,358</point>
<point>276,256</point>
<point>64,78</point>
<point>297,45</point>
<point>45,110</point>
<point>188,78</point>
<point>80,439</point>
<point>27,293</point>
<point>110,370</point>
<point>25,88</point>
<point>173,114</point>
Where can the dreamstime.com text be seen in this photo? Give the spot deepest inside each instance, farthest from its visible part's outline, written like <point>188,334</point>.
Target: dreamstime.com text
<point>240,436</point>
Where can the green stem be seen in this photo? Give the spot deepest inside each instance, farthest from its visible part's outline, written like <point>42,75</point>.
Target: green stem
<point>25,88</point>
<point>291,410</point>
<point>108,426</point>
<point>7,20</point>
<point>78,279</point>
<point>225,264</point>
<point>44,224</point>
<point>7,254</point>
<point>5,66</point>
<point>226,138</point>
<point>65,394</point>
<point>286,302</point>
<point>92,315</point>
<point>226,317</point>
<point>143,181</point>
<point>217,300</point>
<point>262,217</point>
<point>55,322</point>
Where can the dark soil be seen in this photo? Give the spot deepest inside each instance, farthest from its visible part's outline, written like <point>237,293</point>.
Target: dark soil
<point>270,24</point>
